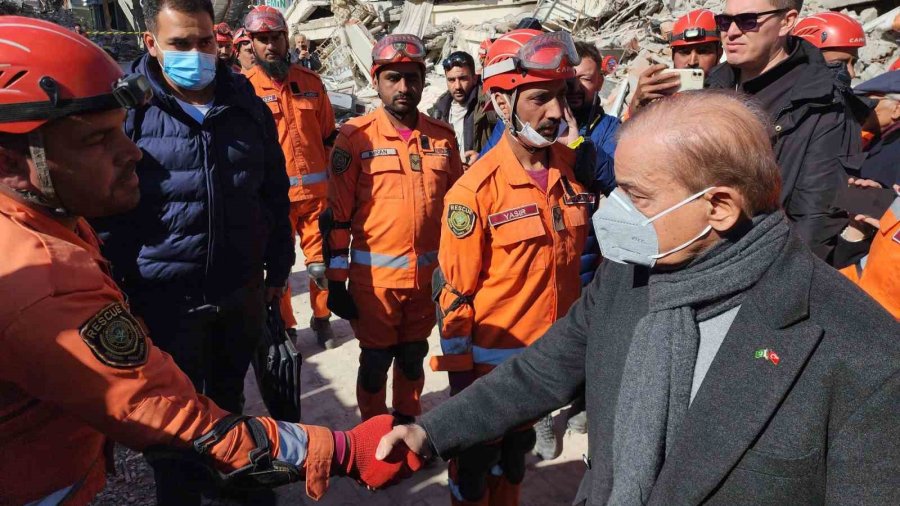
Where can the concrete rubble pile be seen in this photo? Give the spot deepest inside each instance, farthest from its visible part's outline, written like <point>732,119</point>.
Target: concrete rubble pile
<point>634,31</point>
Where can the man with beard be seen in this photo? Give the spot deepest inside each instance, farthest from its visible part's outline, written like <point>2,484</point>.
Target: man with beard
<point>463,106</point>
<point>390,170</point>
<point>514,227</point>
<point>306,129</point>
<point>225,43</point>
<point>77,369</point>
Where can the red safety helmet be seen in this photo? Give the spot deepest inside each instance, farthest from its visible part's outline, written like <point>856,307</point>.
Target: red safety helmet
<point>223,33</point>
<point>529,56</point>
<point>483,50</point>
<point>831,29</point>
<point>895,65</point>
<point>609,65</point>
<point>37,85</point>
<point>695,27</point>
<point>264,18</point>
<point>397,48</point>
<point>240,36</point>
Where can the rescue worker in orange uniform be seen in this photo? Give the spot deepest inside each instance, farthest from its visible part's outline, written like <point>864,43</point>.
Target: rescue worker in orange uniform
<point>225,43</point>
<point>77,370</point>
<point>306,130</point>
<point>695,44</point>
<point>243,51</point>
<point>514,228</point>
<point>878,272</point>
<point>390,170</point>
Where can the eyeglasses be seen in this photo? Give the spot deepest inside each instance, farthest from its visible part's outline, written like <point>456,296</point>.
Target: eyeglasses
<point>746,22</point>
<point>458,59</point>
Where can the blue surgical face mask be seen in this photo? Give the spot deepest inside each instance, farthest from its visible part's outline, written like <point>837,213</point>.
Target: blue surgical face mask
<point>190,70</point>
<point>627,236</point>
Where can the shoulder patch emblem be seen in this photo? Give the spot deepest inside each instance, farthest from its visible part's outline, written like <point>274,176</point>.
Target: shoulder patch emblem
<point>460,220</point>
<point>115,337</point>
<point>340,161</point>
<point>897,237</point>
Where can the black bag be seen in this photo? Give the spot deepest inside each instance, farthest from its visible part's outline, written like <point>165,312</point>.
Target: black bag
<point>277,366</point>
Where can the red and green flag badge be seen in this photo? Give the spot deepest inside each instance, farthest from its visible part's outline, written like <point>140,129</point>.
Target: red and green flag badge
<point>767,354</point>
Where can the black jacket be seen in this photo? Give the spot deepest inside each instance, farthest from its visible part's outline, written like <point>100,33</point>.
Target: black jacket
<point>883,159</point>
<point>816,139</point>
<point>477,125</point>
<point>821,427</point>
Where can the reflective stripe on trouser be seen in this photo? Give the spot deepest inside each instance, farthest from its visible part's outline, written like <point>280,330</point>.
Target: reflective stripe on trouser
<point>305,224</point>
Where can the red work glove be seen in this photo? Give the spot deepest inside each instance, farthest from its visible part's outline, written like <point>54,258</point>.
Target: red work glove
<point>355,452</point>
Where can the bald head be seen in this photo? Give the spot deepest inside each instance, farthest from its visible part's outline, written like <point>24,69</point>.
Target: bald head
<point>712,138</point>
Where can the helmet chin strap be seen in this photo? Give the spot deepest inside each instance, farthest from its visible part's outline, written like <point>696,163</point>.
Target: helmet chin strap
<point>47,197</point>
<point>511,122</point>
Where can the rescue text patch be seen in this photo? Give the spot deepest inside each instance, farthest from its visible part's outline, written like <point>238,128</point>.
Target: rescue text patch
<point>508,215</point>
<point>115,337</point>
<point>340,161</point>
<point>365,155</point>
<point>269,98</point>
<point>460,220</point>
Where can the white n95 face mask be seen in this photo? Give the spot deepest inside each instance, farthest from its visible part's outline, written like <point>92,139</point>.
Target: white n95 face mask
<point>527,135</point>
<point>627,237</point>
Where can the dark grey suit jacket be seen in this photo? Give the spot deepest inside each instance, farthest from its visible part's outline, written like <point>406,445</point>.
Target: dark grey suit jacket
<point>820,427</point>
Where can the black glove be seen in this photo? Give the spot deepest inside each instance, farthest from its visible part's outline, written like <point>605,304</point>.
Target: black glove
<point>340,302</point>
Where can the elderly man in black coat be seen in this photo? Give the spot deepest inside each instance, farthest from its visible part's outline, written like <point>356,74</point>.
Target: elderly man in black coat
<point>723,362</point>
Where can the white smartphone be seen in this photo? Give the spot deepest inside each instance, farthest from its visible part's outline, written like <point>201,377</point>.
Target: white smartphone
<point>691,79</point>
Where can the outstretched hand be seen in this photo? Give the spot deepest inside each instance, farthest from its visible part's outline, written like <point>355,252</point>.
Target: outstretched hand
<point>412,437</point>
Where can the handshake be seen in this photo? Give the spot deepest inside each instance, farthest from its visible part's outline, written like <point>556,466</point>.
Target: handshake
<point>377,454</point>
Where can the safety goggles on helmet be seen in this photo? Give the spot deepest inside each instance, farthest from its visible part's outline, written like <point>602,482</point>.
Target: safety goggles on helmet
<point>130,92</point>
<point>543,52</point>
<point>392,48</point>
<point>746,22</point>
<point>264,20</point>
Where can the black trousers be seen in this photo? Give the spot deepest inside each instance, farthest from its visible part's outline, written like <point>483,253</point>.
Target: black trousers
<point>213,345</point>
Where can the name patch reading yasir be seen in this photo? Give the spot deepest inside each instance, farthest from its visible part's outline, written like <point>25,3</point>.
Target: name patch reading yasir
<point>365,155</point>
<point>115,337</point>
<point>509,215</point>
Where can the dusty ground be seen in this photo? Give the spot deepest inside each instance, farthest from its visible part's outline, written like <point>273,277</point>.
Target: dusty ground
<point>329,386</point>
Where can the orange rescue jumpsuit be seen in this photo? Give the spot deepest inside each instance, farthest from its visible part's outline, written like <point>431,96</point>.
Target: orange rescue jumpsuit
<point>878,273</point>
<point>510,256</point>
<point>305,122</point>
<point>391,192</point>
<point>76,370</point>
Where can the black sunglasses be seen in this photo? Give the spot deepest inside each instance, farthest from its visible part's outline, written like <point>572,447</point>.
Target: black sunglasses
<point>745,22</point>
<point>458,59</point>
